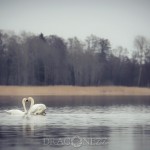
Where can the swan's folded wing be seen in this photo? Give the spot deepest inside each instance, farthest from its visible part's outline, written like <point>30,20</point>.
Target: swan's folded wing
<point>15,112</point>
<point>37,108</point>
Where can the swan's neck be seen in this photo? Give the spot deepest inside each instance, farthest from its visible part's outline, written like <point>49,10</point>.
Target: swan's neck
<point>32,103</point>
<point>24,107</point>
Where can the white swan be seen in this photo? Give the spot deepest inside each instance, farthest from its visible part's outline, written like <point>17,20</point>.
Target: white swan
<point>17,111</point>
<point>36,109</point>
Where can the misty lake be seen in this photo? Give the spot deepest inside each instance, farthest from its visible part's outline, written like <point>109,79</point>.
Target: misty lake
<point>100,122</point>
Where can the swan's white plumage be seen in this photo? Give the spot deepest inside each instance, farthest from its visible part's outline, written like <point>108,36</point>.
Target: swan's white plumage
<point>17,111</point>
<point>36,109</point>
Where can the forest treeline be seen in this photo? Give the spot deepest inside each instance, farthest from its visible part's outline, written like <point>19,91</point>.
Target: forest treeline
<point>29,59</point>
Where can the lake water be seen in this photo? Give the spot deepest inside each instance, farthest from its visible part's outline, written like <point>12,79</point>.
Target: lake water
<point>107,123</point>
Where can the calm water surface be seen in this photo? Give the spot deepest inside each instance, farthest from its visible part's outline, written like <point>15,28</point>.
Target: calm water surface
<point>93,123</point>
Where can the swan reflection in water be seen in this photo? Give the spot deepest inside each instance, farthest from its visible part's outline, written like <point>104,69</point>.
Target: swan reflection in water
<point>32,125</point>
<point>18,130</point>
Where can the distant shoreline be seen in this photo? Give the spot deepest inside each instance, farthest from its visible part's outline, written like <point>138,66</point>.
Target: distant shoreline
<point>72,91</point>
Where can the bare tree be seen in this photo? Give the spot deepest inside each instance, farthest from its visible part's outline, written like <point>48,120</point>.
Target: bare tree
<point>141,46</point>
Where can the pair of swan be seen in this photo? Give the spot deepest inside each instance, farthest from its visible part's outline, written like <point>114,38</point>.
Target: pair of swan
<point>35,109</point>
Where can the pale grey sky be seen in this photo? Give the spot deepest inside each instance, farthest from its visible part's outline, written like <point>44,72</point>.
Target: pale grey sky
<point>118,20</point>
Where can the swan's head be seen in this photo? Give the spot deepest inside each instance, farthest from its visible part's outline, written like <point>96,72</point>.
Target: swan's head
<point>30,99</point>
<point>24,100</point>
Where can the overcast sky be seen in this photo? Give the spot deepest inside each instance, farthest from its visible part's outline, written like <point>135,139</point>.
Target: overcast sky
<point>118,20</point>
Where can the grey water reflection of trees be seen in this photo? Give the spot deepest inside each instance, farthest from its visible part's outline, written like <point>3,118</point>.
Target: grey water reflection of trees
<point>17,132</point>
<point>14,136</point>
<point>29,59</point>
<point>73,101</point>
<point>142,137</point>
<point>60,134</point>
